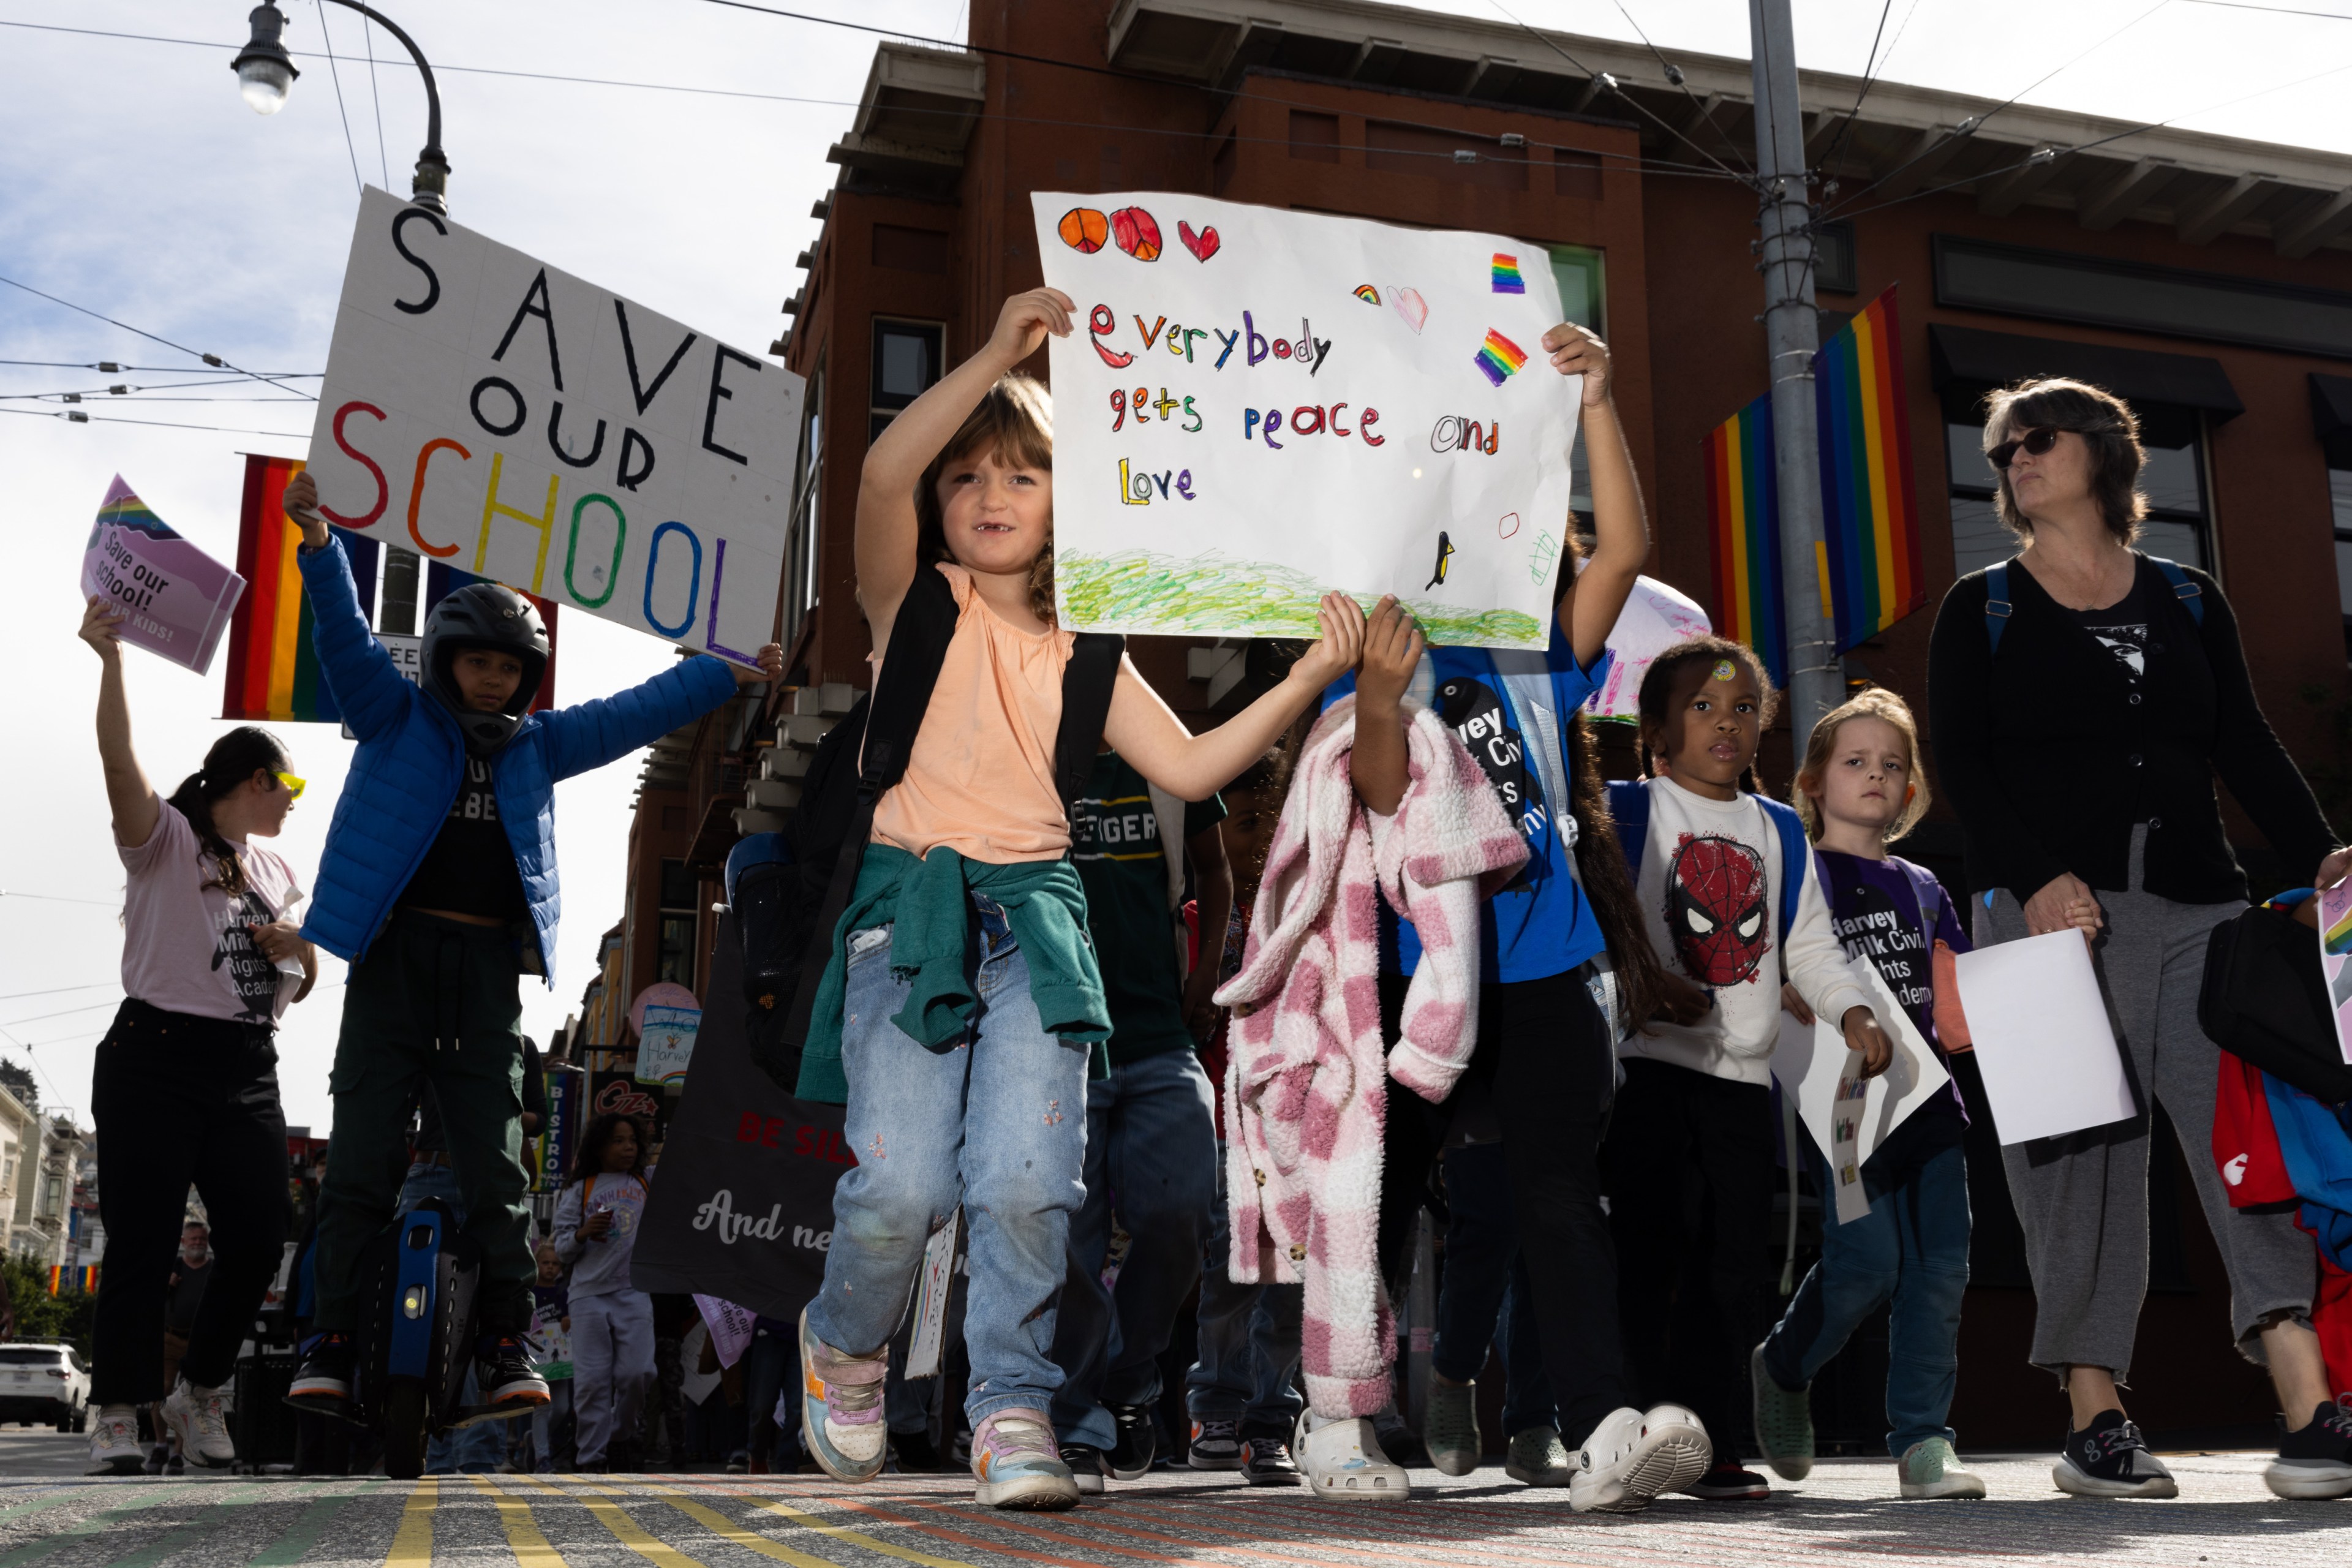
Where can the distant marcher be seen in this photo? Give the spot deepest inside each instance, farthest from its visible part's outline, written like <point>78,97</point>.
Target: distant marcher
<point>612,1323</point>
<point>185,1089</point>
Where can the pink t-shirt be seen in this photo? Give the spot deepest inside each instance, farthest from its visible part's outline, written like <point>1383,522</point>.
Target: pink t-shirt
<point>187,948</point>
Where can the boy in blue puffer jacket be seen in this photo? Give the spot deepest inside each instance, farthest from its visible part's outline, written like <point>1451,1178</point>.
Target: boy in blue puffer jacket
<point>438,886</point>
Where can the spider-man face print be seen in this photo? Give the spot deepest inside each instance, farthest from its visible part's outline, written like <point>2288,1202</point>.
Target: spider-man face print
<point>1716,892</point>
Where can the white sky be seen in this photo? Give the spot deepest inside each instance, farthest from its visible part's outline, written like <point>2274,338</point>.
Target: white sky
<point>139,185</point>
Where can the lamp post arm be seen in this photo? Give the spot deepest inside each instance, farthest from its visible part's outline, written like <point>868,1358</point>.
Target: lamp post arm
<point>432,184</point>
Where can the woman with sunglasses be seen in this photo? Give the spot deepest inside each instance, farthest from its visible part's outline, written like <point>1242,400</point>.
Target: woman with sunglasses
<point>2082,698</point>
<point>186,1085</point>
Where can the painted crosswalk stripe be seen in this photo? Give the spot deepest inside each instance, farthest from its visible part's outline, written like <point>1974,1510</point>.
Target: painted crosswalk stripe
<point>102,1519</point>
<point>616,1518</point>
<point>204,1524</point>
<point>719,1524</point>
<point>531,1547</point>
<point>856,1537</point>
<point>310,1528</point>
<point>412,1543</point>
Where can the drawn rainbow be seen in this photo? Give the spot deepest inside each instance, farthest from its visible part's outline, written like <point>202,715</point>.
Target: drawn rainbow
<point>1506,275</point>
<point>1367,294</point>
<point>1499,359</point>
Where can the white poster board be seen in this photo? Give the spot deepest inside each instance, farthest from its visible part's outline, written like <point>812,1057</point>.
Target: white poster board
<point>1849,1115</point>
<point>2049,1056</point>
<point>1259,405</point>
<point>523,423</point>
<point>1655,618</point>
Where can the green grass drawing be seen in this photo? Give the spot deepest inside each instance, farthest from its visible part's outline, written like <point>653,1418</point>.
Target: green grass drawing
<point>1210,594</point>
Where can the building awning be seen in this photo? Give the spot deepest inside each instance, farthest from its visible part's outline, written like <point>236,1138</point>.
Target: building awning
<point>1968,357</point>
<point>2331,416</point>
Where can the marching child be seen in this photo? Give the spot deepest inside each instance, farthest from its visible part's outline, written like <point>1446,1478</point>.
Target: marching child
<point>550,1331</point>
<point>962,1009</point>
<point>438,884</point>
<point>1725,883</point>
<point>1860,785</point>
<point>612,1326</point>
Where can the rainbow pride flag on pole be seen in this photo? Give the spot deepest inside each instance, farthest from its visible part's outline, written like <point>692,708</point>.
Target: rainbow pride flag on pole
<point>1743,502</point>
<point>273,667</point>
<point>1870,522</point>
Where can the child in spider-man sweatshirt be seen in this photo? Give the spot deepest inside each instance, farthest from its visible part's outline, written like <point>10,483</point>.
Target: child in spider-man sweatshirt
<point>1722,875</point>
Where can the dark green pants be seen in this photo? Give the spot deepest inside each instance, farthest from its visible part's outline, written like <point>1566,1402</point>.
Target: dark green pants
<point>435,1002</point>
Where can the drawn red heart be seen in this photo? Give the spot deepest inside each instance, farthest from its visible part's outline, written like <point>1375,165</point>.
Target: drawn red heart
<point>1202,244</point>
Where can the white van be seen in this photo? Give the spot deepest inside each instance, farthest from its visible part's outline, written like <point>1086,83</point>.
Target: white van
<point>43,1382</point>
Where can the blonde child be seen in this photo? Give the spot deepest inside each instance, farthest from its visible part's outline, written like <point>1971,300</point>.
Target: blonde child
<point>1860,785</point>
<point>1725,885</point>
<point>961,1011</point>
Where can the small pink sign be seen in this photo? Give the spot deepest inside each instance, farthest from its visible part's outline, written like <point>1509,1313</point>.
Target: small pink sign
<point>176,600</point>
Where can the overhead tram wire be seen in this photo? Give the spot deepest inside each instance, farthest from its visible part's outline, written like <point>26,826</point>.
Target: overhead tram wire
<point>1977,122</point>
<point>74,415</point>
<point>375,95</point>
<point>359,185</point>
<point>2274,10</point>
<point>210,359</point>
<point>1659,166</point>
<point>1869,80</point>
<point>1674,72</point>
<point>110,367</point>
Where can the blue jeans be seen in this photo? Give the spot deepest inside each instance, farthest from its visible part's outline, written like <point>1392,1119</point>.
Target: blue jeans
<point>1151,1155</point>
<point>1913,1247</point>
<point>1248,1365</point>
<point>997,1124</point>
<point>479,1449</point>
<point>1483,1297</point>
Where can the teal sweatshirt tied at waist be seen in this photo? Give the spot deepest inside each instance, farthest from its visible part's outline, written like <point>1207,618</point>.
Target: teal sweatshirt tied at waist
<point>927,902</point>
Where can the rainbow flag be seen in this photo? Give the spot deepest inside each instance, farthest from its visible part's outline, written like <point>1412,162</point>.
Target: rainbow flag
<point>1743,500</point>
<point>1500,358</point>
<point>273,667</point>
<point>1506,275</point>
<point>1870,523</point>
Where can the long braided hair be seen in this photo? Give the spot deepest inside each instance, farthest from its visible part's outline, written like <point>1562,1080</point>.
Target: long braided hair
<point>234,758</point>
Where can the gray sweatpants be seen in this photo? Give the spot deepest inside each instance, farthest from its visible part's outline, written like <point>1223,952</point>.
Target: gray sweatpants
<point>2083,1199</point>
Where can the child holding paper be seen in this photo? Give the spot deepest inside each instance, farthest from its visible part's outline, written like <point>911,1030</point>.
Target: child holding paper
<point>1714,866</point>
<point>1861,785</point>
<point>962,1008</point>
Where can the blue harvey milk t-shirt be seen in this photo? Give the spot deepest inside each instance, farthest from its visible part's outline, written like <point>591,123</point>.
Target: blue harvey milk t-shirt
<point>1511,710</point>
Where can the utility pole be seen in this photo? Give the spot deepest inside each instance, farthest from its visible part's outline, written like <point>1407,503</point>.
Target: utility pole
<point>1791,333</point>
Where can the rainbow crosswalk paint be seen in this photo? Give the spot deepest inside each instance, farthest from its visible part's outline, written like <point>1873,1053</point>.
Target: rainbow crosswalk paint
<point>1499,359</point>
<point>1506,275</point>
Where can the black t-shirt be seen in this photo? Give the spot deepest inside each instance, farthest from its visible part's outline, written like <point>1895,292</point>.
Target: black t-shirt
<point>470,869</point>
<point>1115,840</point>
<point>184,1295</point>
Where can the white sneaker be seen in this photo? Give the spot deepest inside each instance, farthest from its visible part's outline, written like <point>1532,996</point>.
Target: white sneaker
<point>1930,1470</point>
<point>114,1447</point>
<point>1344,1461</point>
<point>195,1416</point>
<point>1633,1455</point>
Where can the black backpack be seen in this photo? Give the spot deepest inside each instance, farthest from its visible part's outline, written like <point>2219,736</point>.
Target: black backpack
<point>789,916</point>
<point>2264,1001</point>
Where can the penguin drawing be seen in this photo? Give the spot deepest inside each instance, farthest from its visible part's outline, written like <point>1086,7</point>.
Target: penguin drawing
<point>1444,557</point>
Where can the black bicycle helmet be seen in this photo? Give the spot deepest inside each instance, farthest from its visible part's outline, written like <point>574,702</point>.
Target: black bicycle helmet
<point>484,616</point>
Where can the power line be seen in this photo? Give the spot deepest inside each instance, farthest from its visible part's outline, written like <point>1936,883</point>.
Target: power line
<point>375,94</point>
<point>67,1013</point>
<point>56,898</point>
<point>214,360</point>
<point>1869,80</point>
<point>124,389</point>
<point>74,415</point>
<point>61,990</point>
<point>2274,10</point>
<point>336,75</point>
<point>110,367</point>
<point>1674,72</point>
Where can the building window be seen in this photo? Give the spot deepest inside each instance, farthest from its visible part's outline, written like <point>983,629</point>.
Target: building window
<point>800,573</point>
<point>2173,479</point>
<point>906,363</point>
<point>1834,265</point>
<point>675,961</point>
<point>2339,491</point>
<point>1584,275</point>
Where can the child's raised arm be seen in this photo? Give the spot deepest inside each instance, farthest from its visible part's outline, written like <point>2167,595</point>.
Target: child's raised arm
<point>894,463</point>
<point>1589,608</point>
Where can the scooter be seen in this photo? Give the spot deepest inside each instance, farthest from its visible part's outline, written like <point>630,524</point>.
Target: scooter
<point>413,1355</point>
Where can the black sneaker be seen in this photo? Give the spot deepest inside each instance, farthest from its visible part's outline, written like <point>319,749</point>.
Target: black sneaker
<point>1729,1483</point>
<point>2110,1458</point>
<point>2315,1462</point>
<point>323,1381</point>
<point>510,1383</point>
<point>1266,1462</point>
<point>1130,1457</point>
<point>1216,1445</point>
<point>1084,1462</point>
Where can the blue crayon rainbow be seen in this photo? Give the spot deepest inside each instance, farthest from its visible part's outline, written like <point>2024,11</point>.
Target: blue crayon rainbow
<point>1499,358</point>
<point>1506,275</point>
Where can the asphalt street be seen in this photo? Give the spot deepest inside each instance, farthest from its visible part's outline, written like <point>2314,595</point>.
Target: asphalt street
<point>1845,1514</point>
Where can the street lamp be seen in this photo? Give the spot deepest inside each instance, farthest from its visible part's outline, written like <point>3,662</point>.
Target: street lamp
<point>265,75</point>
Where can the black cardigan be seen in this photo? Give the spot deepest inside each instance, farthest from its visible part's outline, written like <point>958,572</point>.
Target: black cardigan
<point>2050,757</point>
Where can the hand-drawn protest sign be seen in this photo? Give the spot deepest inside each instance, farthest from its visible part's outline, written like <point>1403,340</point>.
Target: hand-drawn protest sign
<point>1283,403</point>
<point>526,425</point>
<point>176,599</point>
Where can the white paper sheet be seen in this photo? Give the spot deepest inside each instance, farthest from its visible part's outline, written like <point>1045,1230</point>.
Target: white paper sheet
<point>2049,1056</point>
<point>1820,1075</point>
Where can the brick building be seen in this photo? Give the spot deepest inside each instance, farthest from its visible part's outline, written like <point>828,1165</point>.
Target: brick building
<point>2209,279</point>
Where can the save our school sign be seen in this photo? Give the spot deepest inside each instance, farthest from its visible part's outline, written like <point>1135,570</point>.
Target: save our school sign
<point>500,414</point>
<point>1259,405</point>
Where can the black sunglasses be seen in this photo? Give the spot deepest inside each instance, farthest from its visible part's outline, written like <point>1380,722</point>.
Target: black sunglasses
<point>2037,442</point>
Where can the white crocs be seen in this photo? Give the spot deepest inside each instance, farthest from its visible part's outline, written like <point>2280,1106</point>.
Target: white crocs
<point>1343,1461</point>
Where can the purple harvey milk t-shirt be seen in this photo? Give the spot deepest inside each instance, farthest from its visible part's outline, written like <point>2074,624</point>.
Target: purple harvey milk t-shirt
<point>1876,909</point>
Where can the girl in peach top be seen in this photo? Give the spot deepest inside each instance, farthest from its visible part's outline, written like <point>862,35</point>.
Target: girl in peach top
<point>968,925</point>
